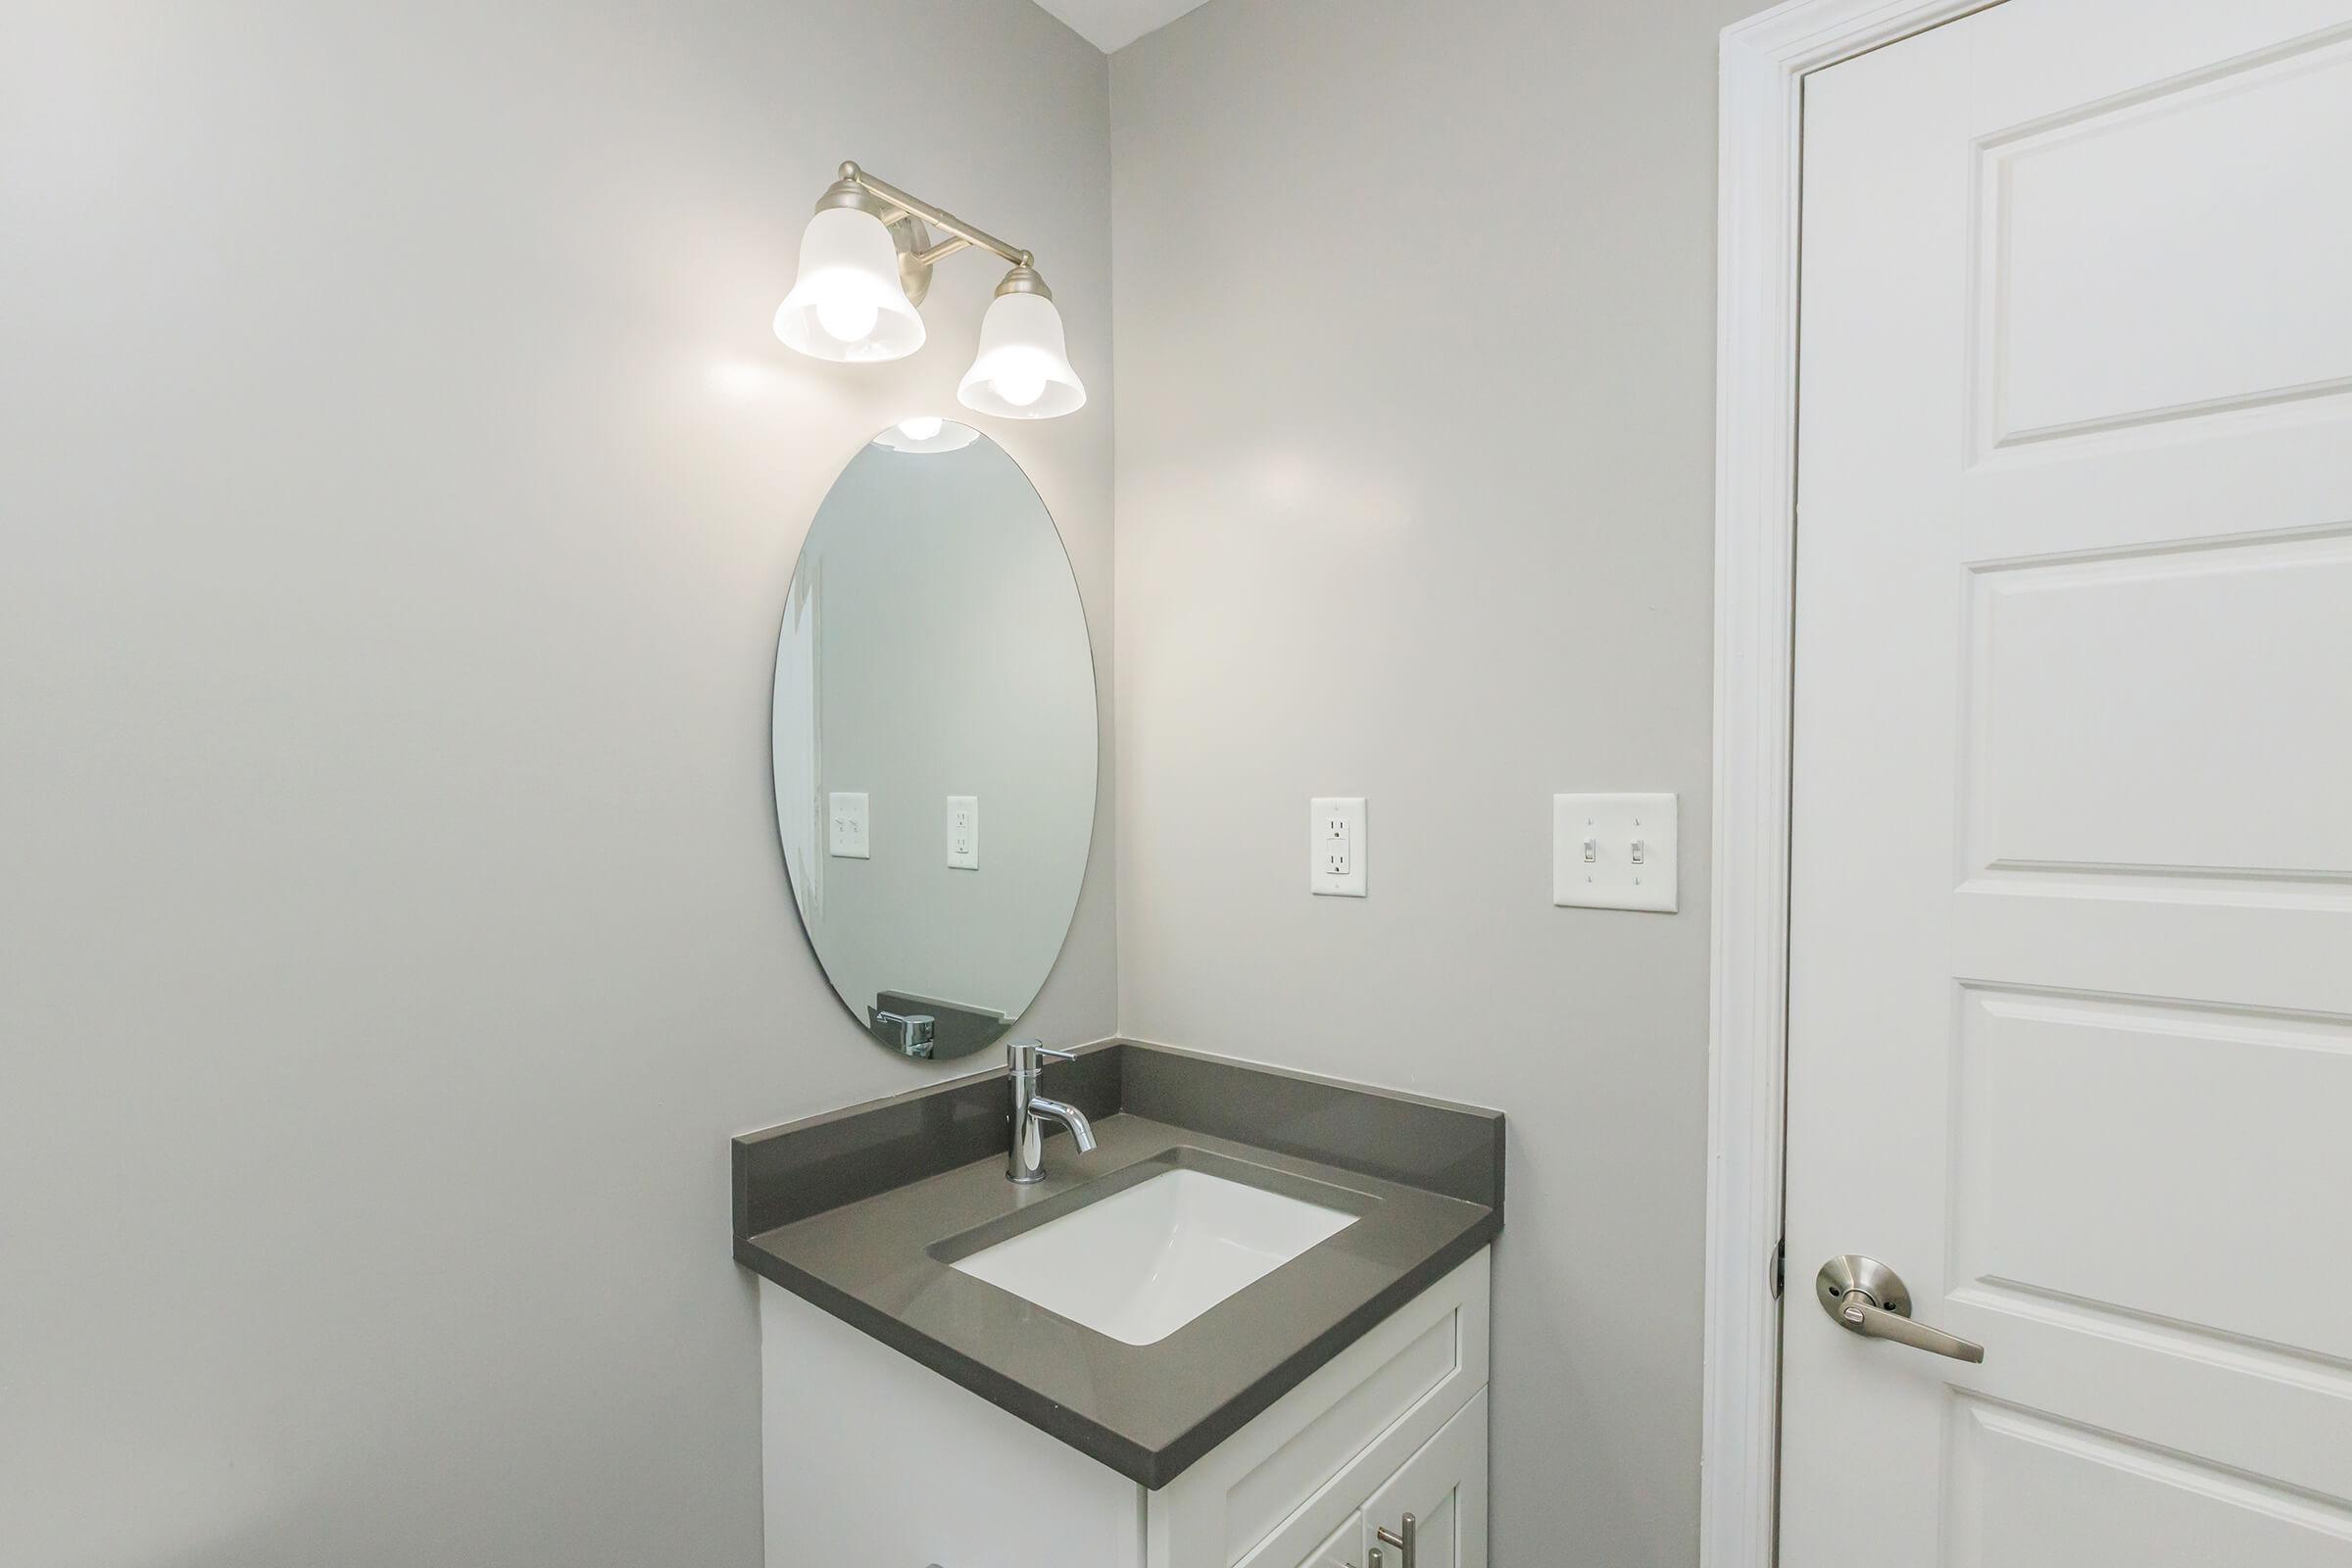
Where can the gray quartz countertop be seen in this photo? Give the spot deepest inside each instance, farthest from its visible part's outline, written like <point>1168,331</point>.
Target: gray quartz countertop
<point>879,1257</point>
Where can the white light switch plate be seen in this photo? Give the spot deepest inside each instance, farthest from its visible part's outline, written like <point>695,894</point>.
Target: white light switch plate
<point>1335,832</point>
<point>963,832</point>
<point>1614,851</point>
<point>845,830</point>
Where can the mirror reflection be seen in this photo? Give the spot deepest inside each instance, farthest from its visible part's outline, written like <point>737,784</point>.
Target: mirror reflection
<point>933,739</point>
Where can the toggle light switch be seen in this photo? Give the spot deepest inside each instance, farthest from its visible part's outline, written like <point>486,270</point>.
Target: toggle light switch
<point>846,834</point>
<point>1614,851</point>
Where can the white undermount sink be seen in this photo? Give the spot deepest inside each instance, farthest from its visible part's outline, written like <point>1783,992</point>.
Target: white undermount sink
<point>1143,1262</point>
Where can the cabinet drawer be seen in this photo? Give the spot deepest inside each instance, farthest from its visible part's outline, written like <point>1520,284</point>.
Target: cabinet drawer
<point>1267,1495</point>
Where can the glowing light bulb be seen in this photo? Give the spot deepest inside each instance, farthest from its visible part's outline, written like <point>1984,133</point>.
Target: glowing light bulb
<point>849,320</point>
<point>1022,368</point>
<point>922,427</point>
<point>1020,388</point>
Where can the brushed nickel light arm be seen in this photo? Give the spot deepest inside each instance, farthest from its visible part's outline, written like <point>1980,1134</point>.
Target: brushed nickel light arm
<point>910,220</point>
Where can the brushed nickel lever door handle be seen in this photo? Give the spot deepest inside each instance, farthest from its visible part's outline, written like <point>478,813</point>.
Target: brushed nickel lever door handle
<point>1867,1298</point>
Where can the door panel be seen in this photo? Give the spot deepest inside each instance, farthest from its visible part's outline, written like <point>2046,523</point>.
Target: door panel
<point>2111,301</point>
<point>2070,914</point>
<point>2060,1094</point>
<point>2030,1491</point>
<point>2080,676</point>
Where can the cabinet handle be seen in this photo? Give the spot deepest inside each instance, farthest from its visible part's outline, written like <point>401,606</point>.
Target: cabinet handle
<point>1403,1542</point>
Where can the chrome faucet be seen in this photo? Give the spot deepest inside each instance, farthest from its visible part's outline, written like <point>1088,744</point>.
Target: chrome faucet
<point>1027,1058</point>
<point>909,1034</point>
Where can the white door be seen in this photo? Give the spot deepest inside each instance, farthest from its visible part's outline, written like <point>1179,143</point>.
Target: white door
<point>1444,1488</point>
<point>2070,1030</point>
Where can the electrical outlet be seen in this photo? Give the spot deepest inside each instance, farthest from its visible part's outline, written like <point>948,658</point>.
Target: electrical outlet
<point>1336,846</point>
<point>846,825</point>
<point>963,832</point>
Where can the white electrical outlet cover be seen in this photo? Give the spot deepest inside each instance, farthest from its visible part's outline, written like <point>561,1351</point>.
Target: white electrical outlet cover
<point>1618,876</point>
<point>963,832</point>
<point>846,832</point>
<point>1335,846</point>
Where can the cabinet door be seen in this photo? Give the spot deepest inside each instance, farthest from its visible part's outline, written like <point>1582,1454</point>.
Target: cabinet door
<point>1342,1549</point>
<point>1443,1487</point>
<point>1266,1496</point>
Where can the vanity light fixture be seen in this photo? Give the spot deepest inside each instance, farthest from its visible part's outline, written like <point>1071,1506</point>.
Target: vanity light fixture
<point>865,266</point>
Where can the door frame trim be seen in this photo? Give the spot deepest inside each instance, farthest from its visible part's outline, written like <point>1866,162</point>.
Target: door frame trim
<point>1763,61</point>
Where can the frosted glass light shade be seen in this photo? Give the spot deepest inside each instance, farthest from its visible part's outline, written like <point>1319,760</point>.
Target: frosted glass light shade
<point>927,433</point>
<point>847,304</point>
<point>1022,371</point>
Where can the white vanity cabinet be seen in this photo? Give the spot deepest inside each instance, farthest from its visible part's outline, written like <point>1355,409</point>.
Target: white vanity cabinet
<point>873,1461</point>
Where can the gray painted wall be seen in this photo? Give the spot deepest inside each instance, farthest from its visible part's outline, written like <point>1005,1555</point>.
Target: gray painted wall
<point>1414,489</point>
<point>399,484</point>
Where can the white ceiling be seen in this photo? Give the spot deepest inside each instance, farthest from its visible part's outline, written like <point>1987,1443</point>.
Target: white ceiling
<point>1111,25</point>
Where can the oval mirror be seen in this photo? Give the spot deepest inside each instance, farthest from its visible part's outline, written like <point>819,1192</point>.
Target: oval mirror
<point>933,739</point>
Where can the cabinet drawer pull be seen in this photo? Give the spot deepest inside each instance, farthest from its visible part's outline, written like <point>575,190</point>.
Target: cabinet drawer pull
<point>1403,1542</point>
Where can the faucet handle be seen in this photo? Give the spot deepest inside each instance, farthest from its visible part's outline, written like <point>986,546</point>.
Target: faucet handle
<point>1025,1056</point>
